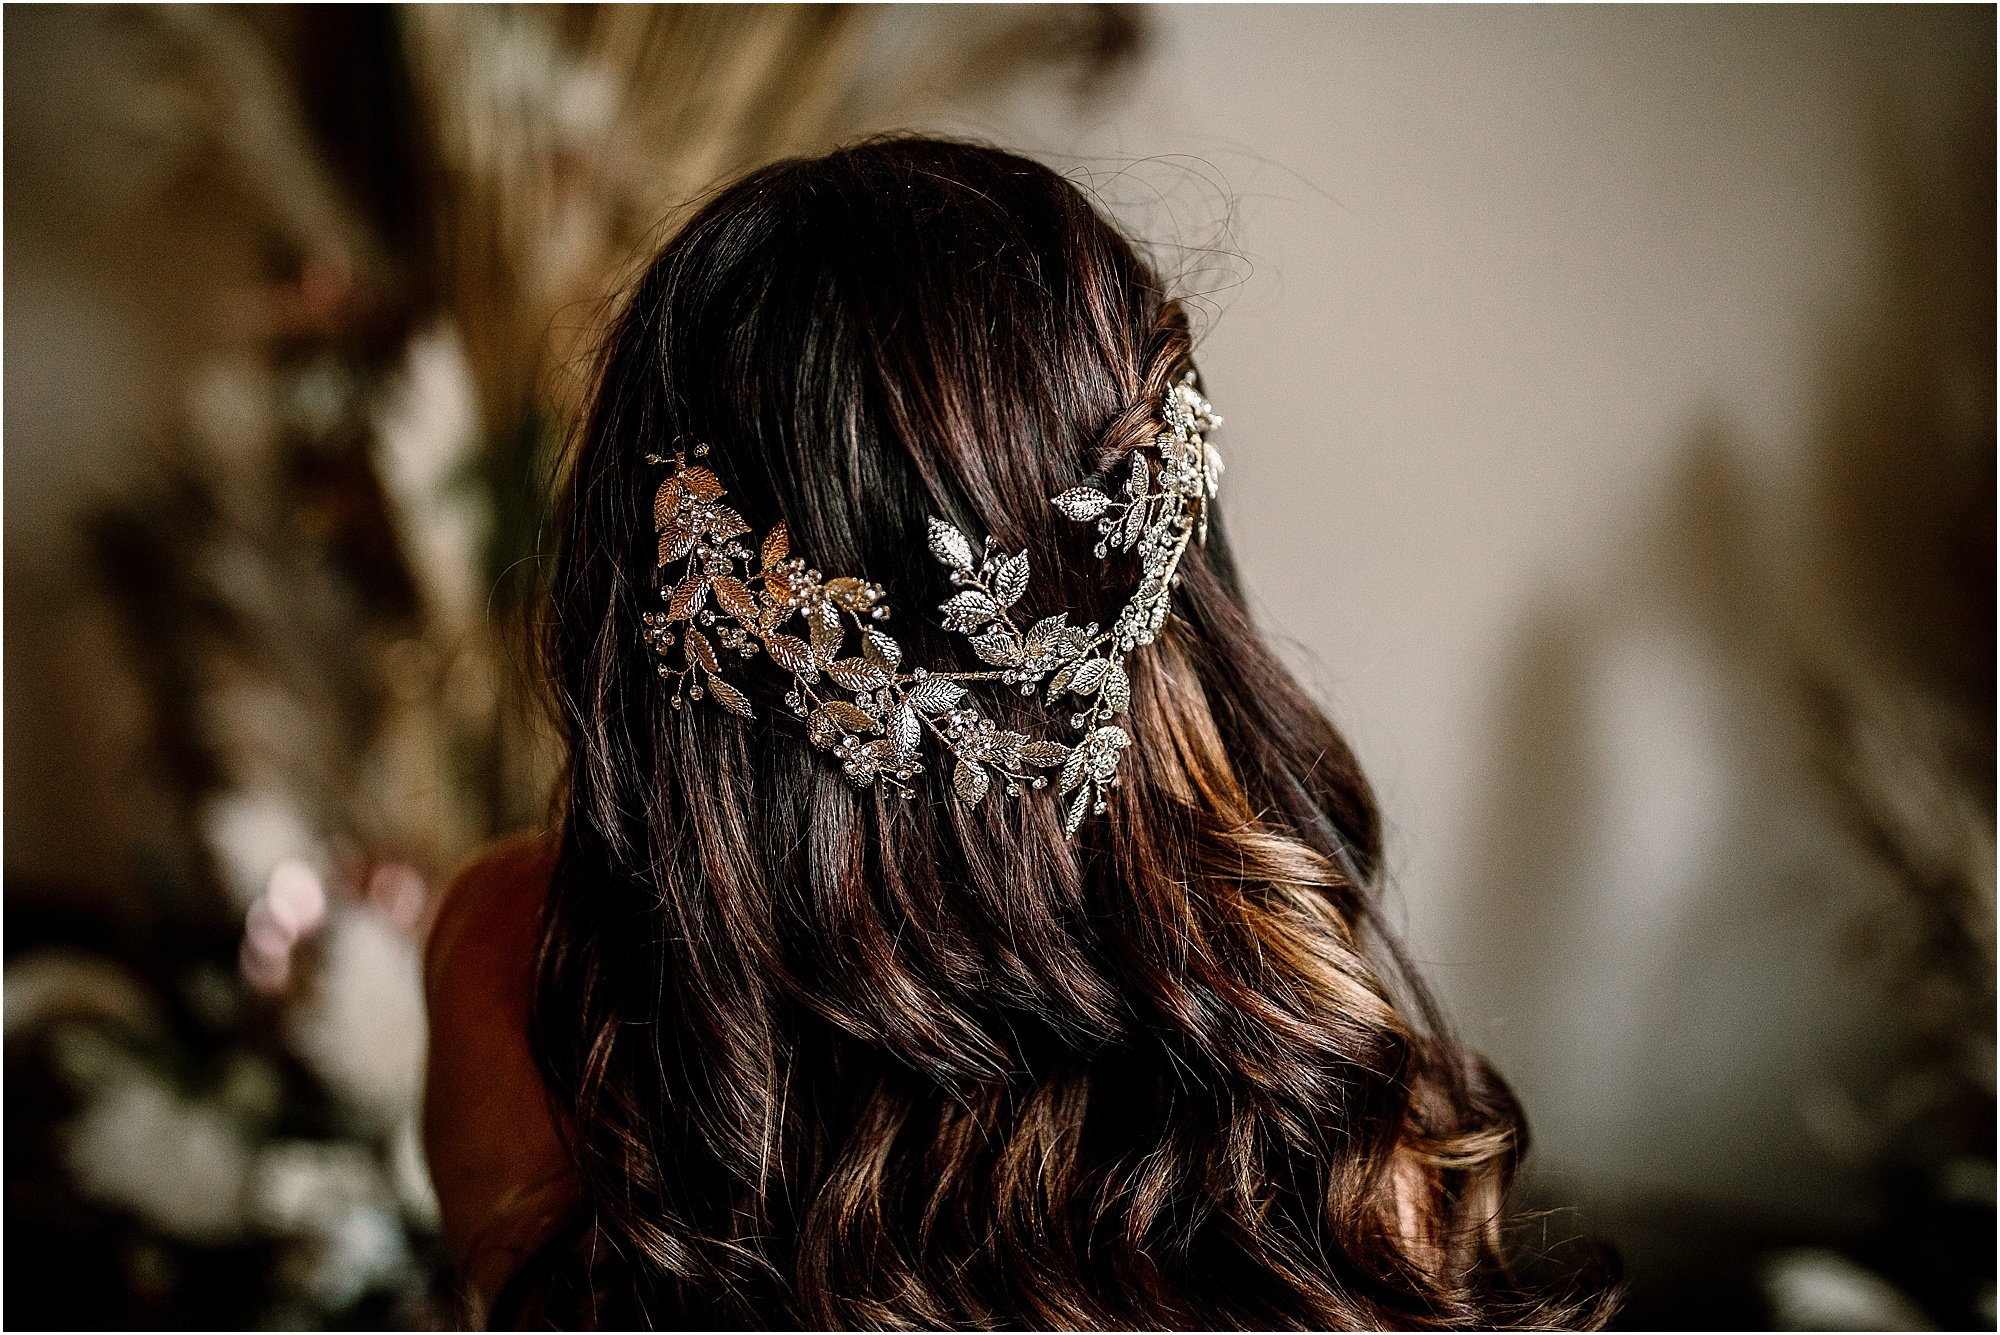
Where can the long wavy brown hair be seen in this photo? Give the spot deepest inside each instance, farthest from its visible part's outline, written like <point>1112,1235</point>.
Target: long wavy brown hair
<point>829,1059</point>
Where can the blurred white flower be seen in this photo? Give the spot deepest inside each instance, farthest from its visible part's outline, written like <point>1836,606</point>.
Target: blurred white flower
<point>333,1197</point>
<point>178,1164</point>
<point>364,1250</point>
<point>360,1026</point>
<point>252,833</point>
<point>299,1186</point>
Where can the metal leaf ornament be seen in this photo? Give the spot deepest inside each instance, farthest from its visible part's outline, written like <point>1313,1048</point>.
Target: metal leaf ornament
<point>861,706</point>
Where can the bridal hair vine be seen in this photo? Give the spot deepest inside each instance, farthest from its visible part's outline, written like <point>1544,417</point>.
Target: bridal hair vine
<point>874,722</point>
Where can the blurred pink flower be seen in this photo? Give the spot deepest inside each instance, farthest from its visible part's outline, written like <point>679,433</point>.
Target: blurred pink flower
<point>292,906</point>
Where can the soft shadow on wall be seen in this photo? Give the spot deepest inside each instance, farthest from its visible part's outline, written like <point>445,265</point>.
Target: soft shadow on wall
<point>1736,880</point>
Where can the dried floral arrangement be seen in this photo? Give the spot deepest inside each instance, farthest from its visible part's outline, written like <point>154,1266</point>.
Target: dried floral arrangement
<point>319,572</point>
<point>869,711</point>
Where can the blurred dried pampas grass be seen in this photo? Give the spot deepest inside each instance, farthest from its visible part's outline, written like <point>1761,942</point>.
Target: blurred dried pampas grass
<point>368,252</point>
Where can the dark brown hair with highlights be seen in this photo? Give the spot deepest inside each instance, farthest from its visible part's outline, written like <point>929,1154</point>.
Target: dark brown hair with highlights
<point>825,1058</point>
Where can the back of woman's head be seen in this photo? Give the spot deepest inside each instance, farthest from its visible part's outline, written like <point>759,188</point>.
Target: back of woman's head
<point>826,1057</point>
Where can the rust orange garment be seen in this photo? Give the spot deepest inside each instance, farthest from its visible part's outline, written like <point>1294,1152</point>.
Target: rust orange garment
<point>504,1181</point>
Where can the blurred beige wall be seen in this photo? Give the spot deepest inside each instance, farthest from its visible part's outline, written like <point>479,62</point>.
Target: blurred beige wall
<point>1523,294</point>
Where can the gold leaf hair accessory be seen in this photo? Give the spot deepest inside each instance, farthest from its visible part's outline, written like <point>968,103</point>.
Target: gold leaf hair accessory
<point>861,705</point>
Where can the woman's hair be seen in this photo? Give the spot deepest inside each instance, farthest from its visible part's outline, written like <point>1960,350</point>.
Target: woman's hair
<point>826,1058</point>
